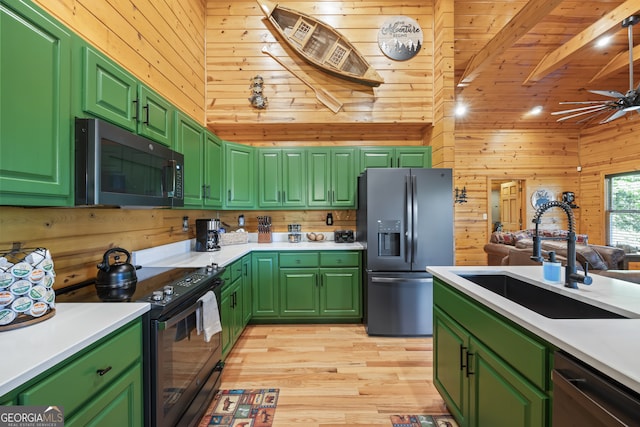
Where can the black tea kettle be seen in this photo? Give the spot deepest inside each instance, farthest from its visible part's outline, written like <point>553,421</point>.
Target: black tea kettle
<point>117,281</point>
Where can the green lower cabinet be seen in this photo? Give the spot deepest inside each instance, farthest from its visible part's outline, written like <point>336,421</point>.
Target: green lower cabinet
<point>116,406</point>
<point>488,371</point>
<point>499,396</point>
<point>265,289</point>
<point>246,289</point>
<point>99,386</point>
<point>299,289</point>
<point>326,286</point>
<point>340,292</point>
<point>231,307</point>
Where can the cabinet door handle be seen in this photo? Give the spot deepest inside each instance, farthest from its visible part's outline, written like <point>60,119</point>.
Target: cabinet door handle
<point>135,109</point>
<point>229,195</point>
<point>204,191</point>
<point>469,356</point>
<point>146,109</point>
<point>463,349</point>
<point>284,197</point>
<point>102,372</point>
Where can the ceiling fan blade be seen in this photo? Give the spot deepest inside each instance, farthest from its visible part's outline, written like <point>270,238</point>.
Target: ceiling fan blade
<point>632,108</point>
<point>561,119</point>
<point>614,116</point>
<point>590,107</point>
<point>592,118</point>
<point>610,93</point>
<point>583,102</point>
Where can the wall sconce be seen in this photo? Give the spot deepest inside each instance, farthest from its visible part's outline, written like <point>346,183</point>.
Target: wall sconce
<point>461,195</point>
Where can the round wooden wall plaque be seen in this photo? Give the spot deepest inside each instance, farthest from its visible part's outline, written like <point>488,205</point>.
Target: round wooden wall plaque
<point>400,38</point>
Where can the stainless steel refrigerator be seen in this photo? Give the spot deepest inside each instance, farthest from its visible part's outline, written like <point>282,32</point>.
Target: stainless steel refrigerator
<point>405,222</point>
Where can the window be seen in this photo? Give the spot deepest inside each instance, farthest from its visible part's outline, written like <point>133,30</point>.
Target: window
<point>623,211</point>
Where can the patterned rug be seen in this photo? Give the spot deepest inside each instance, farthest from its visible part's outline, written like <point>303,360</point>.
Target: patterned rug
<point>242,408</point>
<point>423,421</point>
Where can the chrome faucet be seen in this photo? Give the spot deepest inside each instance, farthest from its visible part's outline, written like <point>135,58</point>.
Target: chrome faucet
<point>572,277</point>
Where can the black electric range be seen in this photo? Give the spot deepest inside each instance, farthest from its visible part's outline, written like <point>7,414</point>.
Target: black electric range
<point>182,364</point>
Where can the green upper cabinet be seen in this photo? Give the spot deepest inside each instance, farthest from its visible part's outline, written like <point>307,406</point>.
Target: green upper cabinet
<point>413,157</point>
<point>202,152</point>
<point>156,116</point>
<point>35,104</point>
<point>282,178</point>
<point>189,140</point>
<point>111,93</point>
<point>332,177</point>
<point>213,167</point>
<point>239,176</point>
<point>395,157</point>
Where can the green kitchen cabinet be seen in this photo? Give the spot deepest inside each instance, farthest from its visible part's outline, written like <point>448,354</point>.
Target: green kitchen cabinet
<point>202,153</point>
<point>231,312</point>
<point>35,105</point>
<point>101,385</point>
<point>299,292</point>
<point>488,371</point>
<point>320,285</point>
<point>213,175</point>
<point>239,176</point>
<point>282,178</point>
<point>246,289</point>
<point>265,289</point>
<point>111,93</point>
<point>394,157</point>
<point>332,177</point>
<point>413,157</point>
<point>189,140</point>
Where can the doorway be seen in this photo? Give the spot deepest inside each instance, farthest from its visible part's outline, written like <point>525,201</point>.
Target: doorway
<point>507,202</point>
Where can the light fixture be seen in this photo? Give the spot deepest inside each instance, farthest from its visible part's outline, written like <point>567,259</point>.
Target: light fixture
<point>535,110</point>
<point>461,110</point>
<point>461,195</point>
<point>603,41</point>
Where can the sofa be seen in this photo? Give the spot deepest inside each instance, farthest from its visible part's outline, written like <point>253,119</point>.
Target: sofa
<point>506,248</point>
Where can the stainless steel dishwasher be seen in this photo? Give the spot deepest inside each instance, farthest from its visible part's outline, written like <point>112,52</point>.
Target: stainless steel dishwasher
<point>584,397</point>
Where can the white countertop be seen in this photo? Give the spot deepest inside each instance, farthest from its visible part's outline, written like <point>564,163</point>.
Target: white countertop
<point>31,350</point>
<point>609,345</point>
<point>181,254</point>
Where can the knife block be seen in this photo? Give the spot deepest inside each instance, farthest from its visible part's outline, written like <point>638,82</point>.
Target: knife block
<point>264,237</point>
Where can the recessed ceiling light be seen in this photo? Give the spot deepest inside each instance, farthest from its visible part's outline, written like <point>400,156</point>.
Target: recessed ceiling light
<point>603,41</point>
<point>461,110</point>
<point>536,110</point>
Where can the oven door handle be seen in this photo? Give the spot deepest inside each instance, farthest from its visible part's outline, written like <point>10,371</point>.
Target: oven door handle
<point>177,318</point>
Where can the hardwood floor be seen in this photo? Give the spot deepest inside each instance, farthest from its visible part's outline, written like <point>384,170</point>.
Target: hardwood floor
<point>335,375</point>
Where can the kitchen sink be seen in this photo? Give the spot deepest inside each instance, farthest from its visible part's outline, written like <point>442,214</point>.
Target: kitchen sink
<point>544,302</point>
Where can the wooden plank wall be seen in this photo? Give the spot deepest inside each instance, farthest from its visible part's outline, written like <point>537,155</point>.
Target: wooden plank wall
<point>604,150</point>
<point>78,237</point>
<point>543,159</point>
<point>237,31</point>
<point>160,42</point>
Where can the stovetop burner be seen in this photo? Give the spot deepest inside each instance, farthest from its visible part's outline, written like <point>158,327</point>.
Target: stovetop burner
<point>162,287</point>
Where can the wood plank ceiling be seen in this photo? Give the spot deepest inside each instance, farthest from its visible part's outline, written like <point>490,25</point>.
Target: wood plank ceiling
<point>511,56</point>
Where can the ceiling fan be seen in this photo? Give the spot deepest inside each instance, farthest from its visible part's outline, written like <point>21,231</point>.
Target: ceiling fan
<point>617,108</point>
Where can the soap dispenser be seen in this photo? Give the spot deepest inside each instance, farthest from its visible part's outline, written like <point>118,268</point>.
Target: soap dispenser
<point>551,269</point>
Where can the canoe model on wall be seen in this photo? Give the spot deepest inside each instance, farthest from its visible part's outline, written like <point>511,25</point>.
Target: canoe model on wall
<point>320,45</point>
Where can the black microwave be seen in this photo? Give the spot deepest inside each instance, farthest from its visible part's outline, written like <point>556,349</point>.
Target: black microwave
<point>117,167</point>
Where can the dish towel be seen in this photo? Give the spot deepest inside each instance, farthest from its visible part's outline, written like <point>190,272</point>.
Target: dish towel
<point>208,316</point>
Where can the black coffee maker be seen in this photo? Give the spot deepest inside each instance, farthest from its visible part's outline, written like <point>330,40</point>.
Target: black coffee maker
<point>207,235</point>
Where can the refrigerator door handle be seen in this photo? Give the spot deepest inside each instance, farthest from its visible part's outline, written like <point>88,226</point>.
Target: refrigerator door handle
<point>408,232</point>
<point>414,221</point>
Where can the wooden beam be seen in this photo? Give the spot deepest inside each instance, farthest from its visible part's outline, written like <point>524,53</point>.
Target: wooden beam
<point>529,16</point>
<point>563,54</point>
<point>619,62</point>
